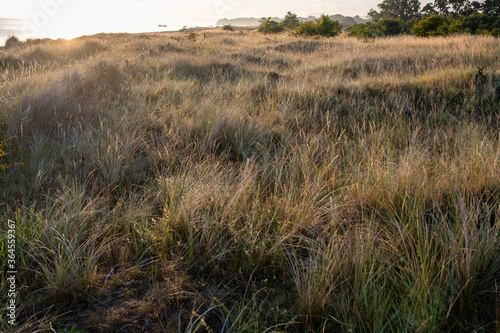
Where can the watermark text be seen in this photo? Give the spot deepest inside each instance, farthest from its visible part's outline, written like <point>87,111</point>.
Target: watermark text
<point>11,272</point>
<point>47,9</point>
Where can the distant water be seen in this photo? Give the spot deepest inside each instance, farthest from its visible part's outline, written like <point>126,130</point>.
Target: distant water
<point>20,28</point>
<point>9,27</point>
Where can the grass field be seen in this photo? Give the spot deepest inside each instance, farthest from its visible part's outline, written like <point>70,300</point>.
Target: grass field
<point>240,182</point>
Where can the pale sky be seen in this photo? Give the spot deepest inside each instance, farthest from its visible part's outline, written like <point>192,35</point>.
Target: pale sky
<point>71,18</point>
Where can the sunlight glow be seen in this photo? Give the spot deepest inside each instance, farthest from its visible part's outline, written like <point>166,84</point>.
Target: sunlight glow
<point>71,18</point>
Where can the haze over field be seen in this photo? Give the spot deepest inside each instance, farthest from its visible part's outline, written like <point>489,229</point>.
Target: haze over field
<point>71,18</point>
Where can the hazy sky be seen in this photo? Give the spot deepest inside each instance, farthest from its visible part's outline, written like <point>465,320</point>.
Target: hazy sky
<point>70,18</point>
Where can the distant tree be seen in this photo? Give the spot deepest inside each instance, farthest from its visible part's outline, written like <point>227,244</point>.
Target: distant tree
<point>270,26</point>
<point>442,6</point>
<point>477,6</point>
<point>467,7</point>
<point>491,7</point>
<point>429,10</point>
<point>228,27</point>
<point>325,26</point>
<point>374,15</point>
<point>459,6</point>
<point>291,21</point>
<point>402,9</point>
<point>442,17</point>
<point>447,7</point>
<point>474,7</point>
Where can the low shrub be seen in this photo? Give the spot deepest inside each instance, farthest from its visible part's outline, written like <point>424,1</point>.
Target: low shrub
<point>10,62</point>
<point>324,26</point>
<point>306,29</point>
<point>435,25</point>
<point>12,41</point>
<point>301,46</point>
<point>392,26</point>
<point>476,24</point>
<point>366,30</point>
<point>270,26</point>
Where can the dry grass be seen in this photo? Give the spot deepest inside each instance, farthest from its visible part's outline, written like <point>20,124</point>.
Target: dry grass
<point>243,182</point>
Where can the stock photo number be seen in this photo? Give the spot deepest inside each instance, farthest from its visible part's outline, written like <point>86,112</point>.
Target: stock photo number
<point>11,272</point>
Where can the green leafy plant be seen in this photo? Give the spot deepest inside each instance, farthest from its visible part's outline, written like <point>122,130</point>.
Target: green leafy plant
<point>480,71</point>
<point>431,26</point>
<point>366,30</point>
<point>392,26</point>
<point>291,21</point>
<point>324,26</point>
<point>3,166</point>
<point>306,29</point>
<point>327,27</point>
<point>191,37</point>
<point>269,26</point>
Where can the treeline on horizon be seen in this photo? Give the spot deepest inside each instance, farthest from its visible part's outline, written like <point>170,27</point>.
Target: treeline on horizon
<point>345,21</point>
<point>396,17</point>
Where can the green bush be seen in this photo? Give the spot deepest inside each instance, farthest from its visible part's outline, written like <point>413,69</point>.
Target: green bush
<point>435,25</point>
<point>476,24</point>
<point>2,153</point>
<point>227,27</point>
<point>191,37</point>
<point>366,30</point>
<point>306,29</point>
<point>457,17</point>
<point>391,26</point>
<point>325,26</point>
<point>291,21</point>
<point>270,26</point>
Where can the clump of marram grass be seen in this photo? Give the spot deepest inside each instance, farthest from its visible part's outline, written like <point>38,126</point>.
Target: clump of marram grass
<point>356,189</point>
<point>61,51</point>
<point>71,100</point>
<point>204,71</point>
<point>235,138</point>
<point>10,62</point>
<point>61,247</point>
